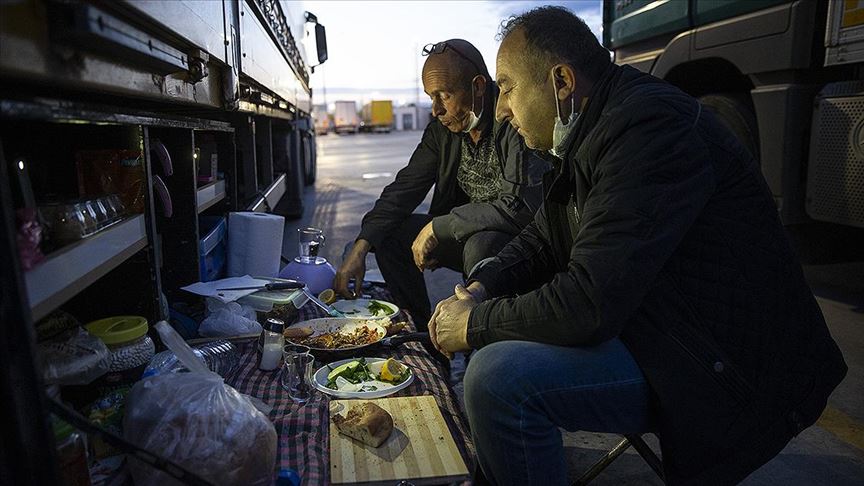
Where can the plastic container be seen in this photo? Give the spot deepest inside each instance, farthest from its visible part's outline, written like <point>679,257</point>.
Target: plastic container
<point>279,304</point>
<point>212,247</point>
<point>131,348</point>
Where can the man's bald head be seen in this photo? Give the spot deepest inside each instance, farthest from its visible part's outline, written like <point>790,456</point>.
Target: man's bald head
<point>555,35</point>
<point>456,79</point>
<point>457,60</point>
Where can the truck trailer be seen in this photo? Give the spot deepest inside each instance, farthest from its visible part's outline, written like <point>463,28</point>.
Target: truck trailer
<point>785,76</point>
<point>377,116</point>
<point>129,130</point>
<point>345,119</point>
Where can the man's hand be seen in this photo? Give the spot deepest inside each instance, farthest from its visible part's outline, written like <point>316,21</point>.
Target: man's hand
<point>353,267</point>
<point>423,246</point>
<point>448,326</point>
<point>476,291</point>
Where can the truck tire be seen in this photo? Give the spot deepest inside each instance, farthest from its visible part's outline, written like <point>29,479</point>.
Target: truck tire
<point>310,169</point>
<point>734,111</point>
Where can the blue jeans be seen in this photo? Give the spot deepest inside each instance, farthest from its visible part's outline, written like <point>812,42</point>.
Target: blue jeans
<point>518,394</point>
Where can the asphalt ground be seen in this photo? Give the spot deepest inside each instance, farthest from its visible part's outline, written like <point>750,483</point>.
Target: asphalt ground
<point>352,171</point>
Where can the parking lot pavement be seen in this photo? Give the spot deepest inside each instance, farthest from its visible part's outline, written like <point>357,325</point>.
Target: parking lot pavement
<point>352,171</point>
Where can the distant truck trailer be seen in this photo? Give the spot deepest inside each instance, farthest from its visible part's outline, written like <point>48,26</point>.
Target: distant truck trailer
<point>345,117</point>
<point>323,123</point>
<point>377,116</point>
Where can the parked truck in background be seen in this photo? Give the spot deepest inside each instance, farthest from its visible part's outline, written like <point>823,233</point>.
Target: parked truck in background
<point>345,117</point>
<point>786,77</point>
<point>377,116</point>
<point>322,119</point>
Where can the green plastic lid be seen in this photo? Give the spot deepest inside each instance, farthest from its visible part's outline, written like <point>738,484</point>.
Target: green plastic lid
<point>118,329</point>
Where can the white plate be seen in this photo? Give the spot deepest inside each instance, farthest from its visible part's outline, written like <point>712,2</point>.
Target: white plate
<point>319,380</point>
<point>339,324</point>
<point>359,308</point>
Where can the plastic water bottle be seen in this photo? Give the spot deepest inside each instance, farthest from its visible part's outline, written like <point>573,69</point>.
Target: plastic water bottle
<point>221,357</point>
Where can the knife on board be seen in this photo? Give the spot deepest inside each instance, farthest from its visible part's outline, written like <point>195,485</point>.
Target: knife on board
<point>289,285</point>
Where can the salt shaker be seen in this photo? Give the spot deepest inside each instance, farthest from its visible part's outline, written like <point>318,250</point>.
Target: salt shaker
<point>270,344</point>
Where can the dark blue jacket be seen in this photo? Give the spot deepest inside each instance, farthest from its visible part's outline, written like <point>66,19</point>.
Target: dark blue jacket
<point>660,229</point>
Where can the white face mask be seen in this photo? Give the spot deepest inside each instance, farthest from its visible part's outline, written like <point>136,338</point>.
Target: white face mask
<point>562,130</point>
<point>473,118</point>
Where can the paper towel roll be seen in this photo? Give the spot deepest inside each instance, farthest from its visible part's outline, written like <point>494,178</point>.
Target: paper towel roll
<point>254,244</point>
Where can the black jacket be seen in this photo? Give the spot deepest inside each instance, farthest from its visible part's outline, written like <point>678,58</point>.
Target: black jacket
<point>671,240</point>
<point>435,161</point>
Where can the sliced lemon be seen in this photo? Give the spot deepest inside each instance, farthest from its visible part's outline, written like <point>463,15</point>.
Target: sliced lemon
<point>392,370</point>
<point>328,296</point>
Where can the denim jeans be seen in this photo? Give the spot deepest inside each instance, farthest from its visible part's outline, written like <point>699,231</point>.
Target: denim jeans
<point>518,394</point>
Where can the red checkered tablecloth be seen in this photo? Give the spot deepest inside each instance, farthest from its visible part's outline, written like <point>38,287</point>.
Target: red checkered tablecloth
<point>303,431</point>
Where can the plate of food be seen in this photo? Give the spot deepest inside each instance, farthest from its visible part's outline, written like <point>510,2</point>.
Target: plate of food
<point>366,308</point>
<point>336,333</point>
<point>363,377</point>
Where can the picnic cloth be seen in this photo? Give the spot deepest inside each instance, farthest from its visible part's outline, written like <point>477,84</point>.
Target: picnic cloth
<point>303,430</point>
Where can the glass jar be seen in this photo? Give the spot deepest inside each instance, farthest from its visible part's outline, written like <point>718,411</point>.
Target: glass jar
<point>270,344</point>
<point>131,348</point>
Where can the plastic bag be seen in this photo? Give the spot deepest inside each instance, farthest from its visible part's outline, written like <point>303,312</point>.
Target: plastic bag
<point>75,357</point>
<point>231,319</point>
<point>197,421</point>
<point>202,424</point>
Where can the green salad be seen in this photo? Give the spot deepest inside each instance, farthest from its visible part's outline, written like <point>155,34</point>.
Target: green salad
<point>357,372</point>
<point>375,307</point>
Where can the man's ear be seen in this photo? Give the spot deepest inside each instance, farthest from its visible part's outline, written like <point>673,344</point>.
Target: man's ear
<point>565,80</point>
<point>479,83</point>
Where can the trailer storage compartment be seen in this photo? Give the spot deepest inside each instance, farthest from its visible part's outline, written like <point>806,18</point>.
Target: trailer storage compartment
<point>128,131</point>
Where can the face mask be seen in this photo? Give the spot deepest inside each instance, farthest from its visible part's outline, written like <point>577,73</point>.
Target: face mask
<point>474,119</point>
<point>562,130</point>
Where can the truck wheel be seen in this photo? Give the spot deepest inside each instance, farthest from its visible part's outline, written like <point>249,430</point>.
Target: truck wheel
<point>310,169</point>
<point>735,112</point>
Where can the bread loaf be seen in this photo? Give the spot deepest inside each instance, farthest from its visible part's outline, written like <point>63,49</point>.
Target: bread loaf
<point>367,422</point>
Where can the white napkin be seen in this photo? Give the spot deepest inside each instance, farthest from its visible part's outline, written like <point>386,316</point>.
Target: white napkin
<point>211,289</point>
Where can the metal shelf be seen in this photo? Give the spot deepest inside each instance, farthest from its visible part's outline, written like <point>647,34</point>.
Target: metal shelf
<point>73,268</point>
<point>210,194</point>
<point>65,111</point>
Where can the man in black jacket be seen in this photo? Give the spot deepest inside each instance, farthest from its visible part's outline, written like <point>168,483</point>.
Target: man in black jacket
<point>487,186</point>
<point>654,291</point>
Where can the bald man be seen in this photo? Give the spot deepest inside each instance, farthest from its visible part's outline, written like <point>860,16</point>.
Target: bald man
<point>487,186</point>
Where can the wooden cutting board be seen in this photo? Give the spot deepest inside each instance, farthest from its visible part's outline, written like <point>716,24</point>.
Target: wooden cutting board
<point>420,449</point>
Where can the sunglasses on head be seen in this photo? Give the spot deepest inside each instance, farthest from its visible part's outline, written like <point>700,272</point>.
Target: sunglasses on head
<point>439,47</point>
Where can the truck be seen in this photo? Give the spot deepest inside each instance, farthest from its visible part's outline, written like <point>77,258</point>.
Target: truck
<point>786,77</point>
<point>156,119</point>
<point>377,116</point>
<point>345,119</point>
<point>323,121</point>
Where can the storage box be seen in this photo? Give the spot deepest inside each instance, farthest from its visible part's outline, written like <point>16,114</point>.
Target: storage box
<point>213,247</point>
